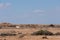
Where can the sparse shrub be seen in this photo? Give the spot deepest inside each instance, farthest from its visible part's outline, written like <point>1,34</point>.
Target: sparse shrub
<point>58,33</point>
<point>19,33</point>
<point>51,25</point>
<point>7,34</point>
<point>45,37</point>
<point>0,27</point>
<point>42,32</point>
<point>3,34</point>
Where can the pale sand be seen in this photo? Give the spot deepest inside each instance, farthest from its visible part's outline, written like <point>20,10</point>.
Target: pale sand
<point>30,37</point>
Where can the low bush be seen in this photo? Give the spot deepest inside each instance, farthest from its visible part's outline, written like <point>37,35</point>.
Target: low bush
<point>51,25</point>
<point>58,33</point>
<point>42,32</point>
<point>7,34</point>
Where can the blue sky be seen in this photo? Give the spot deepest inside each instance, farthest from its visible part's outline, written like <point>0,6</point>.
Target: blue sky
<point>30,11</point>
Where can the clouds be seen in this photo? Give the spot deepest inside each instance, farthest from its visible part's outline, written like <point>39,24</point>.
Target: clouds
<point>38,11</point>
<point>5,5</point>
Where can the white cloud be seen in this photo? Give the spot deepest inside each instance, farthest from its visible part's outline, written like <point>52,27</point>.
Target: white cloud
<point>5,5</point>
<point>38,11</point>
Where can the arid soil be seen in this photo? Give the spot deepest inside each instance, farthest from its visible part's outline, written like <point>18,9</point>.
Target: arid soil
<point>27,33</point>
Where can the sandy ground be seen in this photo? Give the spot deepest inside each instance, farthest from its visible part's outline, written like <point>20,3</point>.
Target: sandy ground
<point>31,38</point>
<point>28,36</point>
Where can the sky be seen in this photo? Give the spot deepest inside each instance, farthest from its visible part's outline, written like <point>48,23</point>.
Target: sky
<point>30,11</point>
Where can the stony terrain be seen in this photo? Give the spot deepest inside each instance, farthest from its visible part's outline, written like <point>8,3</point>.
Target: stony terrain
<point>27,33</point>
